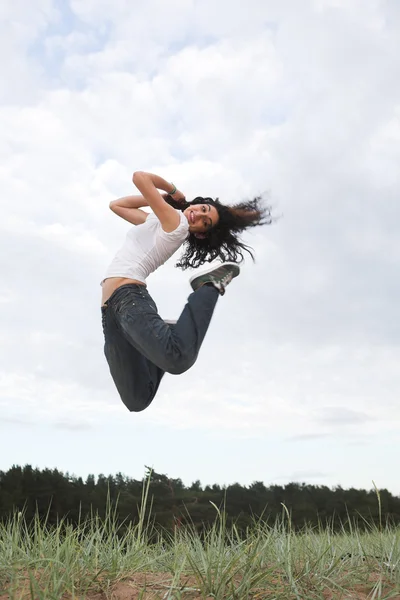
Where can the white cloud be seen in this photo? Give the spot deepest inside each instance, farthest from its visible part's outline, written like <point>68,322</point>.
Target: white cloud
<point>226,100</point>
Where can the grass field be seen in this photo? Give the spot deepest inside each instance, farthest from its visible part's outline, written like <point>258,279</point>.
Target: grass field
<point>97,561</point>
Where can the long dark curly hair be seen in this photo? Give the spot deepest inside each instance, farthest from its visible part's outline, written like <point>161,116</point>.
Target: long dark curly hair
<point>222,241</point>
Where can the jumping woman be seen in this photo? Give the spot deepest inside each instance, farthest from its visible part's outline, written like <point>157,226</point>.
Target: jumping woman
<point>139,345</point>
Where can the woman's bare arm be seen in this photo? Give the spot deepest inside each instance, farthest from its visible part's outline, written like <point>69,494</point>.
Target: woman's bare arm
<point>128,208</point>
<point>149,184</point>
<point>129,202</point>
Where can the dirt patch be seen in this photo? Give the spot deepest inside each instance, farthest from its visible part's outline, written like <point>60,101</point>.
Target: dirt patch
<point>150,587</point>
<point>162,586</point>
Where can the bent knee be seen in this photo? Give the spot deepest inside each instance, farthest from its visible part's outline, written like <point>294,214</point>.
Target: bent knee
<point>137,402</point>
<point>135,407</point>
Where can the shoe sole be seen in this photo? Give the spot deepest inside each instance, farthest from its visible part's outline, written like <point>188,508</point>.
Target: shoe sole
<point>211,269</point>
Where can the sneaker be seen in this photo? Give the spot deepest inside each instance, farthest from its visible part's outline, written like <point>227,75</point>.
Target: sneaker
<point>219,277</point>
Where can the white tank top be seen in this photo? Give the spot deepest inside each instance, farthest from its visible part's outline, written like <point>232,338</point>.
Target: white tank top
<point>146,247</point>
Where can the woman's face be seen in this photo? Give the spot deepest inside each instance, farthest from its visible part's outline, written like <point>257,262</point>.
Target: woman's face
<point>201,217</point>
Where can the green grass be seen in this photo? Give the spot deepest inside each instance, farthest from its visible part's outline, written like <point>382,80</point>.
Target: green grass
<point>42,562</point>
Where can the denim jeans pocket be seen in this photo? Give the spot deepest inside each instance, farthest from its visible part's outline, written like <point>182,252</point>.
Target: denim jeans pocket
<point>140,304</point>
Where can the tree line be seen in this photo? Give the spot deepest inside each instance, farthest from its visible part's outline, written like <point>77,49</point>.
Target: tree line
<point>53,495</point>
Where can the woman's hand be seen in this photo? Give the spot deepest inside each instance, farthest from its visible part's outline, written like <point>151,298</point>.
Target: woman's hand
<point>178,196</point>
<point>159,183</point>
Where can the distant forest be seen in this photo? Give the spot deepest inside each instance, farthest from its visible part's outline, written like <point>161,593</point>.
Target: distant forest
<point>53,495</point>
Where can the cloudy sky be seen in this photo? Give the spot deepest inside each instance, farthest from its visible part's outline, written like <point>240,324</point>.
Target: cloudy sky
<point>298,378</point>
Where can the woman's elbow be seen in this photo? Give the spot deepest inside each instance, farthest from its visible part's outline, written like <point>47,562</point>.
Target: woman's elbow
<point>137,175</point>
<point>112,205</point>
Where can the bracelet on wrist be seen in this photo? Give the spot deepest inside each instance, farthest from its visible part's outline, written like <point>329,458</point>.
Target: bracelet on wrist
<point>173,191</point>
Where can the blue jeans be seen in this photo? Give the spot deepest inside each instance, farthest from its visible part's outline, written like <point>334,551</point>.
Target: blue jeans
<point>140,347</point>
